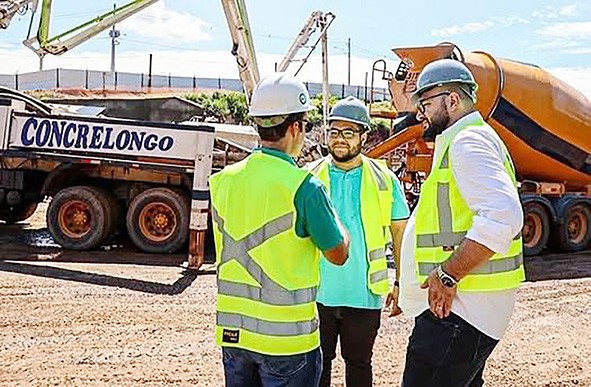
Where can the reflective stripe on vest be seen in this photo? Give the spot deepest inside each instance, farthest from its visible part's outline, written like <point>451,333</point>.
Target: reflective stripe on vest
<point>382,275</point>
<point>501,265</point>
<point>376,254</point>
<point>382,184</point>
<point>270,292</point>
<point>271,328</point>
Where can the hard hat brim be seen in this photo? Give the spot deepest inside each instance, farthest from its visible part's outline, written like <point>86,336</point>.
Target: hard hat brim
<point>417,94</point>
<point>303,109</point>
<point>346,119</point>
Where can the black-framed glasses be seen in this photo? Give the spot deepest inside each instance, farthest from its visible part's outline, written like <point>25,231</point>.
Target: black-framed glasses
<point>420,103</point>
<point>347,133</point>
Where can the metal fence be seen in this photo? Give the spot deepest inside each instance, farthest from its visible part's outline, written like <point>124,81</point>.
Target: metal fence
<point>102,80</point>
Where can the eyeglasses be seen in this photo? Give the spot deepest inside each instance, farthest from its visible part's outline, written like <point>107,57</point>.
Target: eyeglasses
<point>420,103</point>
<point>347,133</point>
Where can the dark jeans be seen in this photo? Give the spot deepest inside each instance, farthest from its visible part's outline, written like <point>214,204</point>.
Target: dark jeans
<point>446,352</point>
<point>244,368</point>
<point>357,330</point>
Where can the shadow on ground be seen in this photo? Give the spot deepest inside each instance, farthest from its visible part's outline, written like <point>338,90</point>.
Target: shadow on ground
<point>179,286</point>
<point>17,242</point>
<point>20,243</point>
<point>558,266</point>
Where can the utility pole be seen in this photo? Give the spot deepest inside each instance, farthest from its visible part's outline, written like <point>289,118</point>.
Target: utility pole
<point>114,34</point>
<point>325,84</point>
<point>349,62</point>
<point>150,73</point>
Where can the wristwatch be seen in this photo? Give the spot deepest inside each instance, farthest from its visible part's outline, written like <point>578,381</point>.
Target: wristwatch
<point>446,280</point>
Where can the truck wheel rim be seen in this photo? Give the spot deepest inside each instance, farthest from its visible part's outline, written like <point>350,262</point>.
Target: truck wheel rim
<point>532,230</point>
<point>157,221</point>
<point>577,227</point>
<point>74,219</point>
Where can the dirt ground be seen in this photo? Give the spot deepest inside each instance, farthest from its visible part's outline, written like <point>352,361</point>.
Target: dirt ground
<point>122,318</point>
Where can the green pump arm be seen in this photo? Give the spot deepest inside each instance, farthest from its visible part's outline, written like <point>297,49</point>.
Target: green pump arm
<point>43,43</point>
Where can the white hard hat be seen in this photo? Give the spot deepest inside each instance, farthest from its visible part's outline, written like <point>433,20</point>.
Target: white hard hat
<point>279,94</point>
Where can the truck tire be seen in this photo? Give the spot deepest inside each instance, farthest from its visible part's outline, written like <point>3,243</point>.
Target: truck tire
<point>574,233</point>
<point>114,221</point>
<point>79,217</point>
<point>24,213</point>
<point>158,220</point>
<point>536,229</point>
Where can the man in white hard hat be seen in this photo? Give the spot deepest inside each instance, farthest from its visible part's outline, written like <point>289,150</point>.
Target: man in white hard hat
<point>461,251</point>
<point>371,203</point>
<point>272,222</point>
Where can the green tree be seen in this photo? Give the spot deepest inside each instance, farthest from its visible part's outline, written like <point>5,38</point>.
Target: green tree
<point>224,106</point>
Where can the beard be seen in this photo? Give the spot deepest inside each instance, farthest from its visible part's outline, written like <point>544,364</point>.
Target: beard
<point>351,153</point>
<point>437,124</point>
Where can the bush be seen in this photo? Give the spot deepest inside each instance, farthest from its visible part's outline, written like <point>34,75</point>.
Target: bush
<point>223,106</point>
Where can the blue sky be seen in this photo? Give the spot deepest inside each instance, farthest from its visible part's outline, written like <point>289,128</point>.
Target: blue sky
<point>191,37</point>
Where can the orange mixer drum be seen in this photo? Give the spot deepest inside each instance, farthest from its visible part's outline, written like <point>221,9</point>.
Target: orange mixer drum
<point>545,123</point>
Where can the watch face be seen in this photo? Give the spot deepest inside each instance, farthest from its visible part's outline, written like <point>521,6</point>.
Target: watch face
<point>447,282</point>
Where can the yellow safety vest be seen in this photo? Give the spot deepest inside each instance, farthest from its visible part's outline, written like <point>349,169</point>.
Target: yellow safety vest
<point>376,214</point>
<point>267,276</point>
<point>442,220</point>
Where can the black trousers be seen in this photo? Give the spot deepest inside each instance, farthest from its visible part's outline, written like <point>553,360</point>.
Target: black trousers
<point>446,353</point>
<point>357,330</point>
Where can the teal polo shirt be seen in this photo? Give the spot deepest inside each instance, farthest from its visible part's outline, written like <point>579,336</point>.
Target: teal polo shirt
<point>347,285</point>
<point>315,215</point>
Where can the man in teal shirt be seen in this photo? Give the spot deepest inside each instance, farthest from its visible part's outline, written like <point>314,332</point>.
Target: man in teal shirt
<point>349,304</point>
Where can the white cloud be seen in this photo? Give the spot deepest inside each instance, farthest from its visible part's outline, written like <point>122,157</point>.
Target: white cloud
<point>550,12</point>
<point>578,51</point>
<point>163,23</point>
<point>558,44</point>
<point>565,37</point>
<point>508,21</point>
<point>569,10</point>
<point>473,27</point>
<point>461,29</point>
<point>567,30</point>
<point>577,77</point>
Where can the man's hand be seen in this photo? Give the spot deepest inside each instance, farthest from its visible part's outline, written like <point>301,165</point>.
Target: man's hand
<point>392,302</point>
<point>440,297</point>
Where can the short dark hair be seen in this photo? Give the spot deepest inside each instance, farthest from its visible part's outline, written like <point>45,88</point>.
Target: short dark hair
<point>277,132</point>
<point>461,90</point>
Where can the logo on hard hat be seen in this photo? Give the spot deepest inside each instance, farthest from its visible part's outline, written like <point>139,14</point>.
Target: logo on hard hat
<point>303,98</point>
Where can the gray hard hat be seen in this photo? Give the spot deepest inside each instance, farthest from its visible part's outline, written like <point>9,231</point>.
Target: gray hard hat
<point>350,109</point>
<point>443,72</point>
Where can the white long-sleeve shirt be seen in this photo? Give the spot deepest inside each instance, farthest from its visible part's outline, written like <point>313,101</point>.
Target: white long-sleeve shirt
<point>477,162</point>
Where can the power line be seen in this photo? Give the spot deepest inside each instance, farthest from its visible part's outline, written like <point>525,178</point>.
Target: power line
<point>85,13</point>
<point>155,44</point>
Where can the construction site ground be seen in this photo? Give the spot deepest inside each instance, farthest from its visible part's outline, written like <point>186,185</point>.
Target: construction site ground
<point>117,317</point>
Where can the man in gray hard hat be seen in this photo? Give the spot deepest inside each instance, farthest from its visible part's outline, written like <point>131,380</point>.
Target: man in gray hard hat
<point>272,221</point>
<point>371,204</point>
<point>461,251</point>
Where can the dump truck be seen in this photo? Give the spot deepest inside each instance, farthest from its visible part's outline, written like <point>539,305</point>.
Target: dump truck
<point>107,175</point>
<point>545,123</point>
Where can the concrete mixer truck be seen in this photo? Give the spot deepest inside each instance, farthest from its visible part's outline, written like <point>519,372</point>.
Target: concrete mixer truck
<point>545,123</point>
